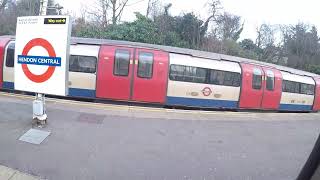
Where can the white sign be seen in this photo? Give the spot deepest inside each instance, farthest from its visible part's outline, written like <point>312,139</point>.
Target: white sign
<point>42,54</point>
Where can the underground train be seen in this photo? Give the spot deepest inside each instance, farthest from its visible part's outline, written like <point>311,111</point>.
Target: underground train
<point>171,76</point>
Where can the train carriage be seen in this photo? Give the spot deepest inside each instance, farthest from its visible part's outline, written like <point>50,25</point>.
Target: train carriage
<point>297,92</point>
<point>129,71</point>
<point>200,82</point>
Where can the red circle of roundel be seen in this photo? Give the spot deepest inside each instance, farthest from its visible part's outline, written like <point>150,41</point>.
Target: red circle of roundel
<point>206,91</point>
<point>49,72</point>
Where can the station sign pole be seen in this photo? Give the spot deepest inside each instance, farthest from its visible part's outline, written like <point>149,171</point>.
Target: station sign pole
<point>39,109</point>
<point>42,58</point>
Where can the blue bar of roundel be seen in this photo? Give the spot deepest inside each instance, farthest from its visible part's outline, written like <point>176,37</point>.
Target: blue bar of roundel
<point>38,60</point>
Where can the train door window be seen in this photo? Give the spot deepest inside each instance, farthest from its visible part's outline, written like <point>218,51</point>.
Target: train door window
<point>121,63</point>
<point>257,79</point>
<point>84,64</point>
<point>145,65</point>
<point>10,55</point>
<point>270,80</point>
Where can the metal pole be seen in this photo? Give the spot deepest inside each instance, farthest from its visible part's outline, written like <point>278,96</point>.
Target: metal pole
<point>39,110</point>
<point>43,7</point>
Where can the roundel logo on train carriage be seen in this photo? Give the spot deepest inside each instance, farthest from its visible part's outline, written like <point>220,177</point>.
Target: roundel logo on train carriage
<point>51,61</point>
<point>206,91</point>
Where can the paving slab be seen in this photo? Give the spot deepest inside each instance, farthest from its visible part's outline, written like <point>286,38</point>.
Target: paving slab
<point>11,174</point>
<point>6,173</point>
<point>22,176</point>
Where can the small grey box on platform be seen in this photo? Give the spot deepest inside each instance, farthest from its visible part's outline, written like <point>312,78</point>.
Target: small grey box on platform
<point>34,136</point>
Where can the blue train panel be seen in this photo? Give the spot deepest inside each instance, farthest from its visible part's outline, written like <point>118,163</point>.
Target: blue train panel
<point>8,85</point>
<point>295,107</point>
<point>87,93</point>
<point>207,103</point>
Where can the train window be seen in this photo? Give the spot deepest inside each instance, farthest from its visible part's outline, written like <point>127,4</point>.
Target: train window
<point>121,63</point>
<point>257,79</point>
<point>236,79</point>
<point>85,64</point>
<point>187,74</point>
<point>145,66</point>
<point>307,89</point>
<point>228,79</point>
<point>216,77</point>
<point>10,55</point>
<point>224,78</point>
<point>195,74</point>
<point>177,72</point>
<point>291,87</point>
<point>270,80</point>
<point>296,87</point>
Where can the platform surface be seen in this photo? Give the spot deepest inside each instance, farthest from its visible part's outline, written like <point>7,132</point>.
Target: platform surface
<point>99,141</point>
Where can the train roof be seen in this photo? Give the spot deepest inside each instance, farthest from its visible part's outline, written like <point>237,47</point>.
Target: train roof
<point>191,52</point>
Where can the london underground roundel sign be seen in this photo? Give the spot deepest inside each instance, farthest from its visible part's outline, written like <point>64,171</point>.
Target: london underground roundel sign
<point>41,54</point>
<point>52,54</point>
<point>206,91</point>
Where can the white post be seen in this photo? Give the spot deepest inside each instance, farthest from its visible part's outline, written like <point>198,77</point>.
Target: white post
<point>43,7</point>
<point>39,110</point>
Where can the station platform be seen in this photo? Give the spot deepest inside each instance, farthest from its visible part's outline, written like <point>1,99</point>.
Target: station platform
<point>103,141</point>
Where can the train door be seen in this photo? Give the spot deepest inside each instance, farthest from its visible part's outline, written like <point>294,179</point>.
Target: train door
<point>132,74</point>
<point>150,76</point>
<point>8,67</point>
<point>3,44</point>
<point>252,86</point>
<point>316,104</point>
<point>272,88</point>
<point>114,72</point>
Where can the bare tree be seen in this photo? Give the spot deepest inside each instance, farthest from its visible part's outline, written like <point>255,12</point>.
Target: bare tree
<point>214,11</point>
<point>265,36</point>
<point>3,4</point>
<point>117,7</point>
<point>153,8</point>
<point>229,27</point>
<point>104,5</point>
<point>106,11</point>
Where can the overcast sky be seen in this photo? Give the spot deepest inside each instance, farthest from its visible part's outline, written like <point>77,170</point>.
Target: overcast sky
<point>253,12</point>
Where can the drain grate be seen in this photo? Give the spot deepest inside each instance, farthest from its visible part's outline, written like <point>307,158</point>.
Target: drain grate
<point>91,118</point>
<point>34,136</point>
